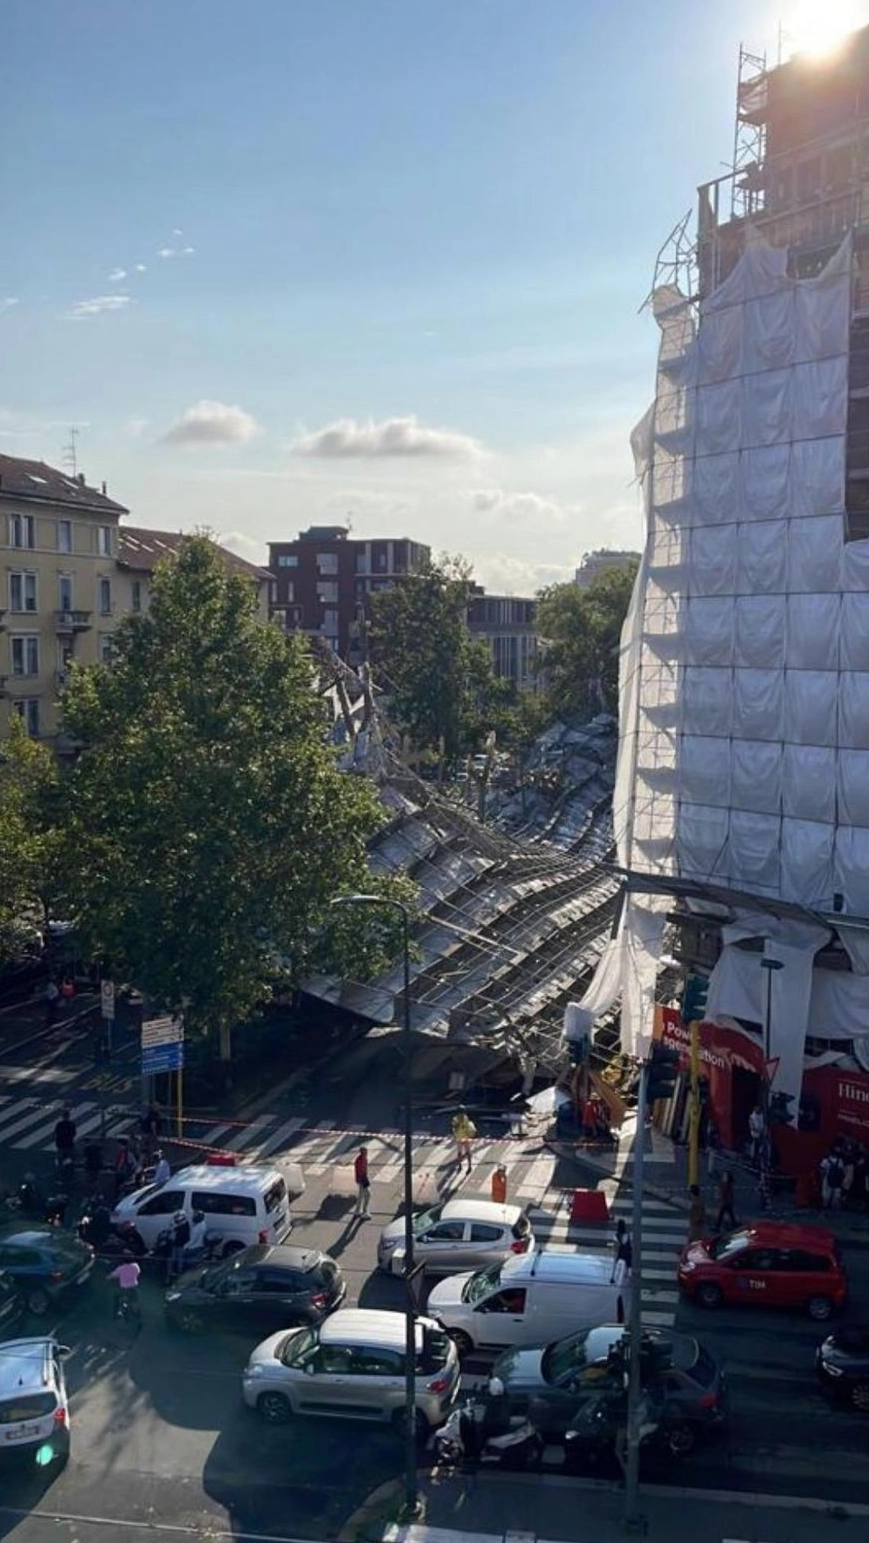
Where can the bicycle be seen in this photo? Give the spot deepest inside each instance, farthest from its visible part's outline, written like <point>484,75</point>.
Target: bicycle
<point>127,1308</point>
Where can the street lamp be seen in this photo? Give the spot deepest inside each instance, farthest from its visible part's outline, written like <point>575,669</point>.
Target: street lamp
<point>411,1497</point>
<point>770,965</point>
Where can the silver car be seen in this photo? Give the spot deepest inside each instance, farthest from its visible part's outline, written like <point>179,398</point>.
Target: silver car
<point>459,1235</point>
<point>351,1366</point>
<point>34,1409</point>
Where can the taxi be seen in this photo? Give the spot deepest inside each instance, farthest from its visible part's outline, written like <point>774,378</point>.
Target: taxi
<point>766,1264</point>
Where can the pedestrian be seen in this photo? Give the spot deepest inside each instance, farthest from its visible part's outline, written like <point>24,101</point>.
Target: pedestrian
<point>623,1249</point>
<point>756,1126</point>
<point>65,1132</point>
<point>696,1214</point>
<point>162,1171</point>
<point>363,1183</point>
<point>52,1001</point>
<point>725,1202</point>
<point>67,989</point>
<point>180,1237</point>
<point>150,1129</point>
<point>464,1131</point>
<point>835,1178</point>
<point>126,1276</point>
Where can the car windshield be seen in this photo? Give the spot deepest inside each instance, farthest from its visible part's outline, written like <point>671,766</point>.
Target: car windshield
<point>295,1349</point>
<point>26,1406</point>
<point>213,1278</point>
<point>565,1356</point>
<point>730,1243</point>
<point>425,1220</point>
<point>481,1283</point>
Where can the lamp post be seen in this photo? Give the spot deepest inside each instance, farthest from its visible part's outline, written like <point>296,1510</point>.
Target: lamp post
<point>411,1496</point>
<point>770,965</point>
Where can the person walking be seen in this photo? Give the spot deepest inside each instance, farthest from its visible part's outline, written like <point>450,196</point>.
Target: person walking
<point>464,1131</point>
<point>726,1212</point>
<point>65,1132</point>
<point>150,1129</point>
<point>835,1180</point>
<point>179,1239</point>
<point>363,1183</point>
<point>623,1249</point>
<point>52,1002</point>
<point>756,1127</point>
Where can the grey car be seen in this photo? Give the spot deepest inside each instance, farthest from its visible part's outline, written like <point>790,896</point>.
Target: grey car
<point>459,1235</point>
<point>352,1366</point>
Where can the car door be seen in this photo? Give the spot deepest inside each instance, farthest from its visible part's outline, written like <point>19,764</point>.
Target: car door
<point>278,1299</point>
<point>501,1319</point>
<point>323,1386</point>
<point>443,1248</point>
<point>754,1277</point>
<point>487,1244</point>
<point>155,1214</point>
<point>375,1382</point>
<point>237,1299</point>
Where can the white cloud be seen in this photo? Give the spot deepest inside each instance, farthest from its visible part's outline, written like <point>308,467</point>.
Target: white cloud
<point>517,506</point>
<point>140,268</point>
<point>7,302</point>
<point>134,428</point>
<point>391,437</point>
<point>84,309</point>
<point>212,423</point>
<point>117,275</point>
<point>242,545</point>
<point>512,576</point>
<point>178,233</point>
<point>175,251</point>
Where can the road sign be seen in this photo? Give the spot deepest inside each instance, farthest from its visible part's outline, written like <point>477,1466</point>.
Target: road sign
<point>163,1058</point>
<point>107,999</point>
<point>162,1031</point>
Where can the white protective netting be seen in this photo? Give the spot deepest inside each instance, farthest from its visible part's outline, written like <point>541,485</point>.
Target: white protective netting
<point>744,754</point>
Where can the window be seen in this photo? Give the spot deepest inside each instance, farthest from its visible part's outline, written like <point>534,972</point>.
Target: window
<point>446,1232</point>
<point>510,1301</point>
<point>22,591</point>
<point>330,620</point>
<point>327,592</point>
<point>164,1203</point>
<point>288,560</point>
<point>136,595</point>
<point>758,1259</point>
<point>213,1203</point>
<point>275,1195</point>
<point>104,596</point>
<point>282,1285</point>
<point>25,655</point>
<point>27,708</point>
<point>22,530</point>
<point>289,592</point>
<point>64,592</point>
<point>327,562</point>
<point>484,1232</point>
<point>64,535</point>
<point>104,541</point>
<point>365,1361</point>
<point>106,647</point>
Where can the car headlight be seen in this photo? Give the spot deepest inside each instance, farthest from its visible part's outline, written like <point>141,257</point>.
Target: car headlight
<point>255,1369</point>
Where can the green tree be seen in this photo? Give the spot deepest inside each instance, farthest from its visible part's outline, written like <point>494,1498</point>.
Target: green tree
<point>580,631</point>
<point>209,826</point>
<point>444,691</point>
<point>30,792</point>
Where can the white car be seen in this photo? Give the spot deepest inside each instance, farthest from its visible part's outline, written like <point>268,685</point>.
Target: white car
<point>34,1408</point>
<point>459,1235</point>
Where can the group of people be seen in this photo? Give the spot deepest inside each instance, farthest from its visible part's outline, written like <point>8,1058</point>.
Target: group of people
<point>133,1154</point>
<point>844,1174</point>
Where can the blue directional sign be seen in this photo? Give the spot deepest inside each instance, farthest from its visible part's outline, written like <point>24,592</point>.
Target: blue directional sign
<point>162,1058</point>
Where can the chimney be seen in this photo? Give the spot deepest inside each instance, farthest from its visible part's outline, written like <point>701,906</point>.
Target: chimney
<point>104,490</point>
<point>80,479</point>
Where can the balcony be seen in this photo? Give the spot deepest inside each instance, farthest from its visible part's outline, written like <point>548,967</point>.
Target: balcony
<point>72,621</point>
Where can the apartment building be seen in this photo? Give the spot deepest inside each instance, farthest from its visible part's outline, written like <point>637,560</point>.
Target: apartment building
<point>323,580</point>
<point>59,599</point>
<point>508,624</point>
<point>139,552</point>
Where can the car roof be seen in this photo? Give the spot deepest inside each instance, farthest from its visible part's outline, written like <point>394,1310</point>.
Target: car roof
<point>243,1176</point>
<point>365,1326</point>
<point>557,1265</point>
<point>29,1235</point>
<point>789,1234</point>
<point>24,1365</point>
<point>480,1211</point>
<point>288,1256</point>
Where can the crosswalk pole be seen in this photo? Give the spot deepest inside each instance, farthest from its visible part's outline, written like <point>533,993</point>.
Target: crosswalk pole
<point>633,1515</point>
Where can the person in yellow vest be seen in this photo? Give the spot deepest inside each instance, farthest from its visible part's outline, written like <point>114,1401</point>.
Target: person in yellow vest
<point>464,1131</point>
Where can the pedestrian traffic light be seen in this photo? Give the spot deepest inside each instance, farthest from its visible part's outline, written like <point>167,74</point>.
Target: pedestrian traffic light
<point>694,998</point>
<point>780,1112</point>
<point>662,1072</point>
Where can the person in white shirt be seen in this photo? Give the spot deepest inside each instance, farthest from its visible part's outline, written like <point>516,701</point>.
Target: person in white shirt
<point>162,1171</point>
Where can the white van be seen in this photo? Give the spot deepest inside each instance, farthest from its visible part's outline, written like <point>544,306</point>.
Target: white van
<point>530,1299</point>
<point>242,1205</point>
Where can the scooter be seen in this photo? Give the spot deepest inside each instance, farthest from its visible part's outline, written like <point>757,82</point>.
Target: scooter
<point>485,1433</point>
<point>597,1433</point>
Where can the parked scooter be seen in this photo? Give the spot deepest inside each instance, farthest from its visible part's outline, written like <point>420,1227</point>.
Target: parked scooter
<point>483,1431</point>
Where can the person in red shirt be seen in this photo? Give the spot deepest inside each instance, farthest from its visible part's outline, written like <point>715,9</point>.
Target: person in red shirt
<point>363,1183</point>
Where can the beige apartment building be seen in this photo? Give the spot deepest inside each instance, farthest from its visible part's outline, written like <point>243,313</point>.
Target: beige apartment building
<point>58,599</point>
<point>139,552</point>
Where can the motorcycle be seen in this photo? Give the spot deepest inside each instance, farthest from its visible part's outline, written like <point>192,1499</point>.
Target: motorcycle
<point>597,1436</point>
<point>485,1432</point>
<point>29,1202</point>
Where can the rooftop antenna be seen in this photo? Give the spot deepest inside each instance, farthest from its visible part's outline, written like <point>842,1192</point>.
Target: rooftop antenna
<point>70,457</point>
<point>349,521</point>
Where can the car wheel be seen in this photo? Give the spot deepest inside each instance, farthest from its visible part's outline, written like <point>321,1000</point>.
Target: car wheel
<point>860,1396</point>
<point>462,1341</point>
<point>708,1294</point>
<point>274,1408</point>
<point>819,1308</point>
<point>680,1439</point>
<point>190,1321</point>
<point>38,1301</point>
<point>421,1427</point>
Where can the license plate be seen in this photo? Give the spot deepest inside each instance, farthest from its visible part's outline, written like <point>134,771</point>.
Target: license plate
<point>20,1432</point>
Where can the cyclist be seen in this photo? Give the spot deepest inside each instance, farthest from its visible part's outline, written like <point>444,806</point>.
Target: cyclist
<point>127,1275</point>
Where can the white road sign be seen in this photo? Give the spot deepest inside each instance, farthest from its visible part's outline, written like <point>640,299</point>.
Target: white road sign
<point>162,1031</point>
<point>107,998</point>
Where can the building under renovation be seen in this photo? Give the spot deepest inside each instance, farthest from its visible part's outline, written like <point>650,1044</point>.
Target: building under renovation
<point>742,796</point>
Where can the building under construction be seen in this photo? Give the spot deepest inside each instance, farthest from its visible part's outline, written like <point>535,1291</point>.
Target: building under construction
<point>742,796</point>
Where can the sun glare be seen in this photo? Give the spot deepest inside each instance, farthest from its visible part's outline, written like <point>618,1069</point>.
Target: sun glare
<point>818,27</point>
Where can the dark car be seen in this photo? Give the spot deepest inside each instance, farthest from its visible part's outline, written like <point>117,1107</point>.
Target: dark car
<point>11,1306</point>
<point>43,1262</point>
<point>266,1287</point>
<point>842,1363</point>
<point>551,1383</point>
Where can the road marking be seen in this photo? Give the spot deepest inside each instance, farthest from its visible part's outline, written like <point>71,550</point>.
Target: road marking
<point>280,1137</point>
<point>35,1136</point>
<point>28,1074</point>
<point>241,1137</point>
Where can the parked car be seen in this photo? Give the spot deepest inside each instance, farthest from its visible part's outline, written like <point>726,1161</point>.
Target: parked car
<point>767,1264</point>
<point>529,1299</point>
<point>44,1262</point>
<point>352,1367</point>
<point>459,1235</point>
<point>34,1409</point>
<point>11,1305</point>
<point>551,1383</point>
<point>842,1363</point>
<point>244,1204</point>
<point>262,1288</point>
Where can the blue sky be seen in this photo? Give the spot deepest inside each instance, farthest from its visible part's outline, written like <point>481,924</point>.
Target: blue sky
<point>231,228</point>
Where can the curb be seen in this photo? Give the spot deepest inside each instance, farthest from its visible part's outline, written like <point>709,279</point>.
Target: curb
<point>352,1528</point>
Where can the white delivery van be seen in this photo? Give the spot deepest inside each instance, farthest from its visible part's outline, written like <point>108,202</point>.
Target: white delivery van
<point>531,1299</point>
<point>242,1205</point>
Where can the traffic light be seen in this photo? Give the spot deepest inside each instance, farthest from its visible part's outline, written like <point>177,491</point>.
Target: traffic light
<point>780,1112</point>
<point>662,1072</point>
<point>694,998</point>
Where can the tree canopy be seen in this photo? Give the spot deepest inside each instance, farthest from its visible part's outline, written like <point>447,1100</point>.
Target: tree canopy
<point>208,825</point>
<point>29,795</point>
<point>580,631</point>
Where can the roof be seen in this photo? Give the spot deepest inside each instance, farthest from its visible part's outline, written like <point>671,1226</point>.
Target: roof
<point>36,481</point>
<point>784,1233</point>
<point>481,1211</point>
<point>216,1176</point>
<point>365,1326</point>
<point>24,1364</point>
<point>142,550</point>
